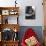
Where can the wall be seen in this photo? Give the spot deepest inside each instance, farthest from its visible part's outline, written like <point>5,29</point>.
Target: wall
<point>39,13</point>
<point>22,4</point>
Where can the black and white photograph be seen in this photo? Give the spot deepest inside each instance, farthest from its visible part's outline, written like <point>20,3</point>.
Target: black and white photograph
<point>30,12</point>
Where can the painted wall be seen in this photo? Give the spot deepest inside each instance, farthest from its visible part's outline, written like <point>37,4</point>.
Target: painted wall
<point>22,4</point>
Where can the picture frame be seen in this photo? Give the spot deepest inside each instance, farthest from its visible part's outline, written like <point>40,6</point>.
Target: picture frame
<point>30,12</point>
<point>13,12</point>
<point>5,12</point>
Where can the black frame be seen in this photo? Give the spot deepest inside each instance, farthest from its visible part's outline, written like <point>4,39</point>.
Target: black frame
<point>30,12</point>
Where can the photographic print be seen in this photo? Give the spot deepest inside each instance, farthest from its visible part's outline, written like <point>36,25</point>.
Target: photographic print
<point>30,12</point>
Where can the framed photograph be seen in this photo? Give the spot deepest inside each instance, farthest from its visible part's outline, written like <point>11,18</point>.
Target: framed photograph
<point>5,12</point>
<point>30,12</point>
<point>13,12</point>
